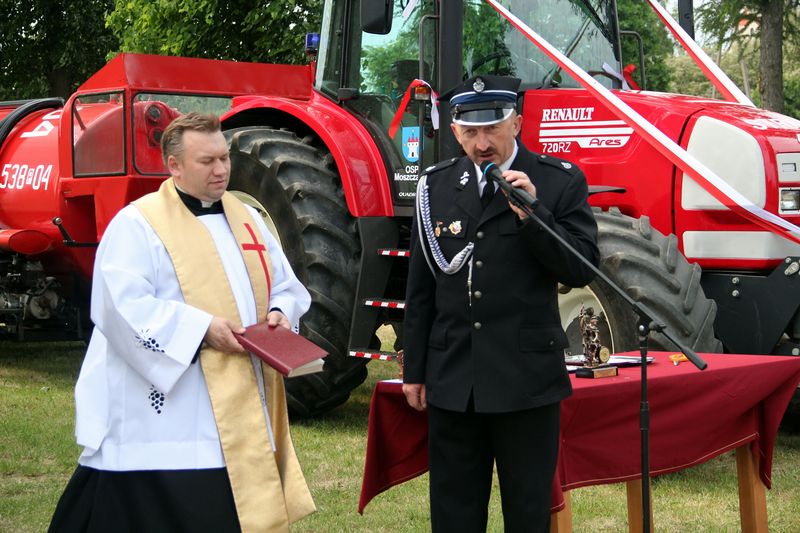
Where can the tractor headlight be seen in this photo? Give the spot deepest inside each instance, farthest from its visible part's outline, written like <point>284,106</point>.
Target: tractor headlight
<point>790,201</point>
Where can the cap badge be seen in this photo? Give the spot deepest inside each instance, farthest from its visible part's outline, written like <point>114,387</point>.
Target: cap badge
<point>566,165</point>
<point>479,86</point>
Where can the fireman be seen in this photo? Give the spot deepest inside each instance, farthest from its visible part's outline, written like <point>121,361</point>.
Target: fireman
<point>483,338</point>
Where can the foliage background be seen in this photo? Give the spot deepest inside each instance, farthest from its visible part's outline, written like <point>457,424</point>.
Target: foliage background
<point>49,47</point>
<point>657,43</point>
<point>262,31</point>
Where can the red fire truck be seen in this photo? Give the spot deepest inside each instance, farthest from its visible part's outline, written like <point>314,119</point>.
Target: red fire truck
<point>311,150</point>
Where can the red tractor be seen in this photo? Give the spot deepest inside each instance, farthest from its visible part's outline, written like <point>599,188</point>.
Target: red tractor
<point>311,150</point>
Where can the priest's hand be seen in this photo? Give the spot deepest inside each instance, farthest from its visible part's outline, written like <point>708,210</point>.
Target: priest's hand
<point>276,318</point>
<point>220,335</point>
<point>415,395</point>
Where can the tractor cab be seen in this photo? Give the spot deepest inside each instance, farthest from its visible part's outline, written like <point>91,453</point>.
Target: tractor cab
<point>372,52</point>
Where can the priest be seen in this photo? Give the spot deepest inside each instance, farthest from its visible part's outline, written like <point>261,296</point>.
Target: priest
<point>181,429</point>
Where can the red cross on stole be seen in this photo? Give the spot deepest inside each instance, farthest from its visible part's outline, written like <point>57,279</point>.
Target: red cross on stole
<point>260,248</point>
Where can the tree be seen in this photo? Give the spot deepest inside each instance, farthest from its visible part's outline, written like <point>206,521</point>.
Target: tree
<point>263,31</point>
<point>689,79</point>
<point>49,47</point>
<point>636,15</point>
<point>791,76</point>
<point>766,25</point>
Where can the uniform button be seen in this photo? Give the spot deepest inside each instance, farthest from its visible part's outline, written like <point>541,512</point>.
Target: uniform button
<point>476,325</point>
<point>552,342</point>
<point>478,264</point>
<point>477,294</point>
<point>479,235</point>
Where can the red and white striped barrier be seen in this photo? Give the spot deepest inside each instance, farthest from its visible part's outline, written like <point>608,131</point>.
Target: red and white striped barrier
<point>383,356</point>
<point>391,304</point>
<point>394,253</point>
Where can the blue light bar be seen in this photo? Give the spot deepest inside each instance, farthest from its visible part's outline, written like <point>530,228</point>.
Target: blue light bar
<point>312,43</point>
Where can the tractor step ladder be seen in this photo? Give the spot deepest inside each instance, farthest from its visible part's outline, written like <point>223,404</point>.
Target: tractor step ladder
<point>382,254</point>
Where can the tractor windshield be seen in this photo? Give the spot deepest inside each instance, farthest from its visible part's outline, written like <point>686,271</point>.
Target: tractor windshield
<point>581,29</point>
<point>371,73</point>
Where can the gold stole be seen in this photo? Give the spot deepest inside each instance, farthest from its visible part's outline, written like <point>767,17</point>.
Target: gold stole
<point>269,488</point>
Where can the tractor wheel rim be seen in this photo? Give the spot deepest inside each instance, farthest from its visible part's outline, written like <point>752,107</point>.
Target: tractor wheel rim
<point>570,301</point>
<point>262,211</point>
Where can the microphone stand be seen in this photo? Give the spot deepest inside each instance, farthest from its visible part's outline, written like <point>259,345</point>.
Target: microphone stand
<point>646,323</point>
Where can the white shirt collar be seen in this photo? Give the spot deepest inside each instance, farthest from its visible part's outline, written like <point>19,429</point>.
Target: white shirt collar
<point>202,202</point>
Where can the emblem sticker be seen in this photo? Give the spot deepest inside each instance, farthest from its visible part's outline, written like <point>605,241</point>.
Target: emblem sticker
<point>562,130</point>
<point>411,143</point>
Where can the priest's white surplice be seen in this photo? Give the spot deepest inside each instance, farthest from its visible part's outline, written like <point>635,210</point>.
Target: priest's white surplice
<point>141,401</point>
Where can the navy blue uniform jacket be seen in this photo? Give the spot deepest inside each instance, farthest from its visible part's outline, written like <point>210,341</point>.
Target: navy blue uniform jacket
<point>507,346</point>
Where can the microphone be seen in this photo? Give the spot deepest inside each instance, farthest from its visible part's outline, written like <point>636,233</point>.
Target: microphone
<point>515,194</point>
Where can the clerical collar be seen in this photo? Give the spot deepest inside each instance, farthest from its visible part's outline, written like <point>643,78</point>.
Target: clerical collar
<point>199,207</point>
<point>503,167</point>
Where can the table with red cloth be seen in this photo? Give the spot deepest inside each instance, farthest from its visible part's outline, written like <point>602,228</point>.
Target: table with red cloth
<point>694,416</point>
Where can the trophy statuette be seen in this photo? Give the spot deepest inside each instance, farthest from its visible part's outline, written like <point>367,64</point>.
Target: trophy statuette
<point>595,354</point>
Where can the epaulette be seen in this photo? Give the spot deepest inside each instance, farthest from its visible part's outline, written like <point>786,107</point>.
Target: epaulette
<point>439,166</point>
<point>561,164</point>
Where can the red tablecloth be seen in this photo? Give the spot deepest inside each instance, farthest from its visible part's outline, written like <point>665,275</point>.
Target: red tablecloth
<point>694,416</point>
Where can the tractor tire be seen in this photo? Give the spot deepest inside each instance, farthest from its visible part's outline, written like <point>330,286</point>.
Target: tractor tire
<point>649,267</point>
<point>294,185</point>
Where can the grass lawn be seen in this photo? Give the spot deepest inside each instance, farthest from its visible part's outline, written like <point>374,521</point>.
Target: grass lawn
<point>38,454</point>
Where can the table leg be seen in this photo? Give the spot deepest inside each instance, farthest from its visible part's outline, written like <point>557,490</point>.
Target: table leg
<point>561,522</point>
<point>633,489</point>
<point>752,493</point>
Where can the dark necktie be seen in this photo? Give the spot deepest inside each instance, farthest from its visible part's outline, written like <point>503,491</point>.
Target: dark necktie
<point>487,194</point>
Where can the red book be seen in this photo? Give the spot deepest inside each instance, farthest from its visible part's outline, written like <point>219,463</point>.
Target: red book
<point>282,349</point>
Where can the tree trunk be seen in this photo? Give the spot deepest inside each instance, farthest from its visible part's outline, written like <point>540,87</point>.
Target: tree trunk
<point>771,55</point>
<point>59,82</point>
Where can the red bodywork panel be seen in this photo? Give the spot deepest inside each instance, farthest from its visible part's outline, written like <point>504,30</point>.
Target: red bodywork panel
<point>109,177</point>
<point>363,173</point>
<point>774,135</point>
<point>624,160</point>
<point>203,76</point>
<point>571,124</point>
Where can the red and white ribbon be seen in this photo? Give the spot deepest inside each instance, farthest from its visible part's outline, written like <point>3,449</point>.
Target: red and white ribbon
<point>627,73</point>
<point>715,75</point>
<point>401,109</point>
<point>710,181</point>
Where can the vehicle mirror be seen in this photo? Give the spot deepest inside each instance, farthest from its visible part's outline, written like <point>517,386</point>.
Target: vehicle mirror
<point>376,16</point>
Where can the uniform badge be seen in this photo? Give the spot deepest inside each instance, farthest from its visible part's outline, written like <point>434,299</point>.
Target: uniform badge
<point>464,178</point>
<point>479,86</point>
<point>566,165</point>
<point>444,228</point>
